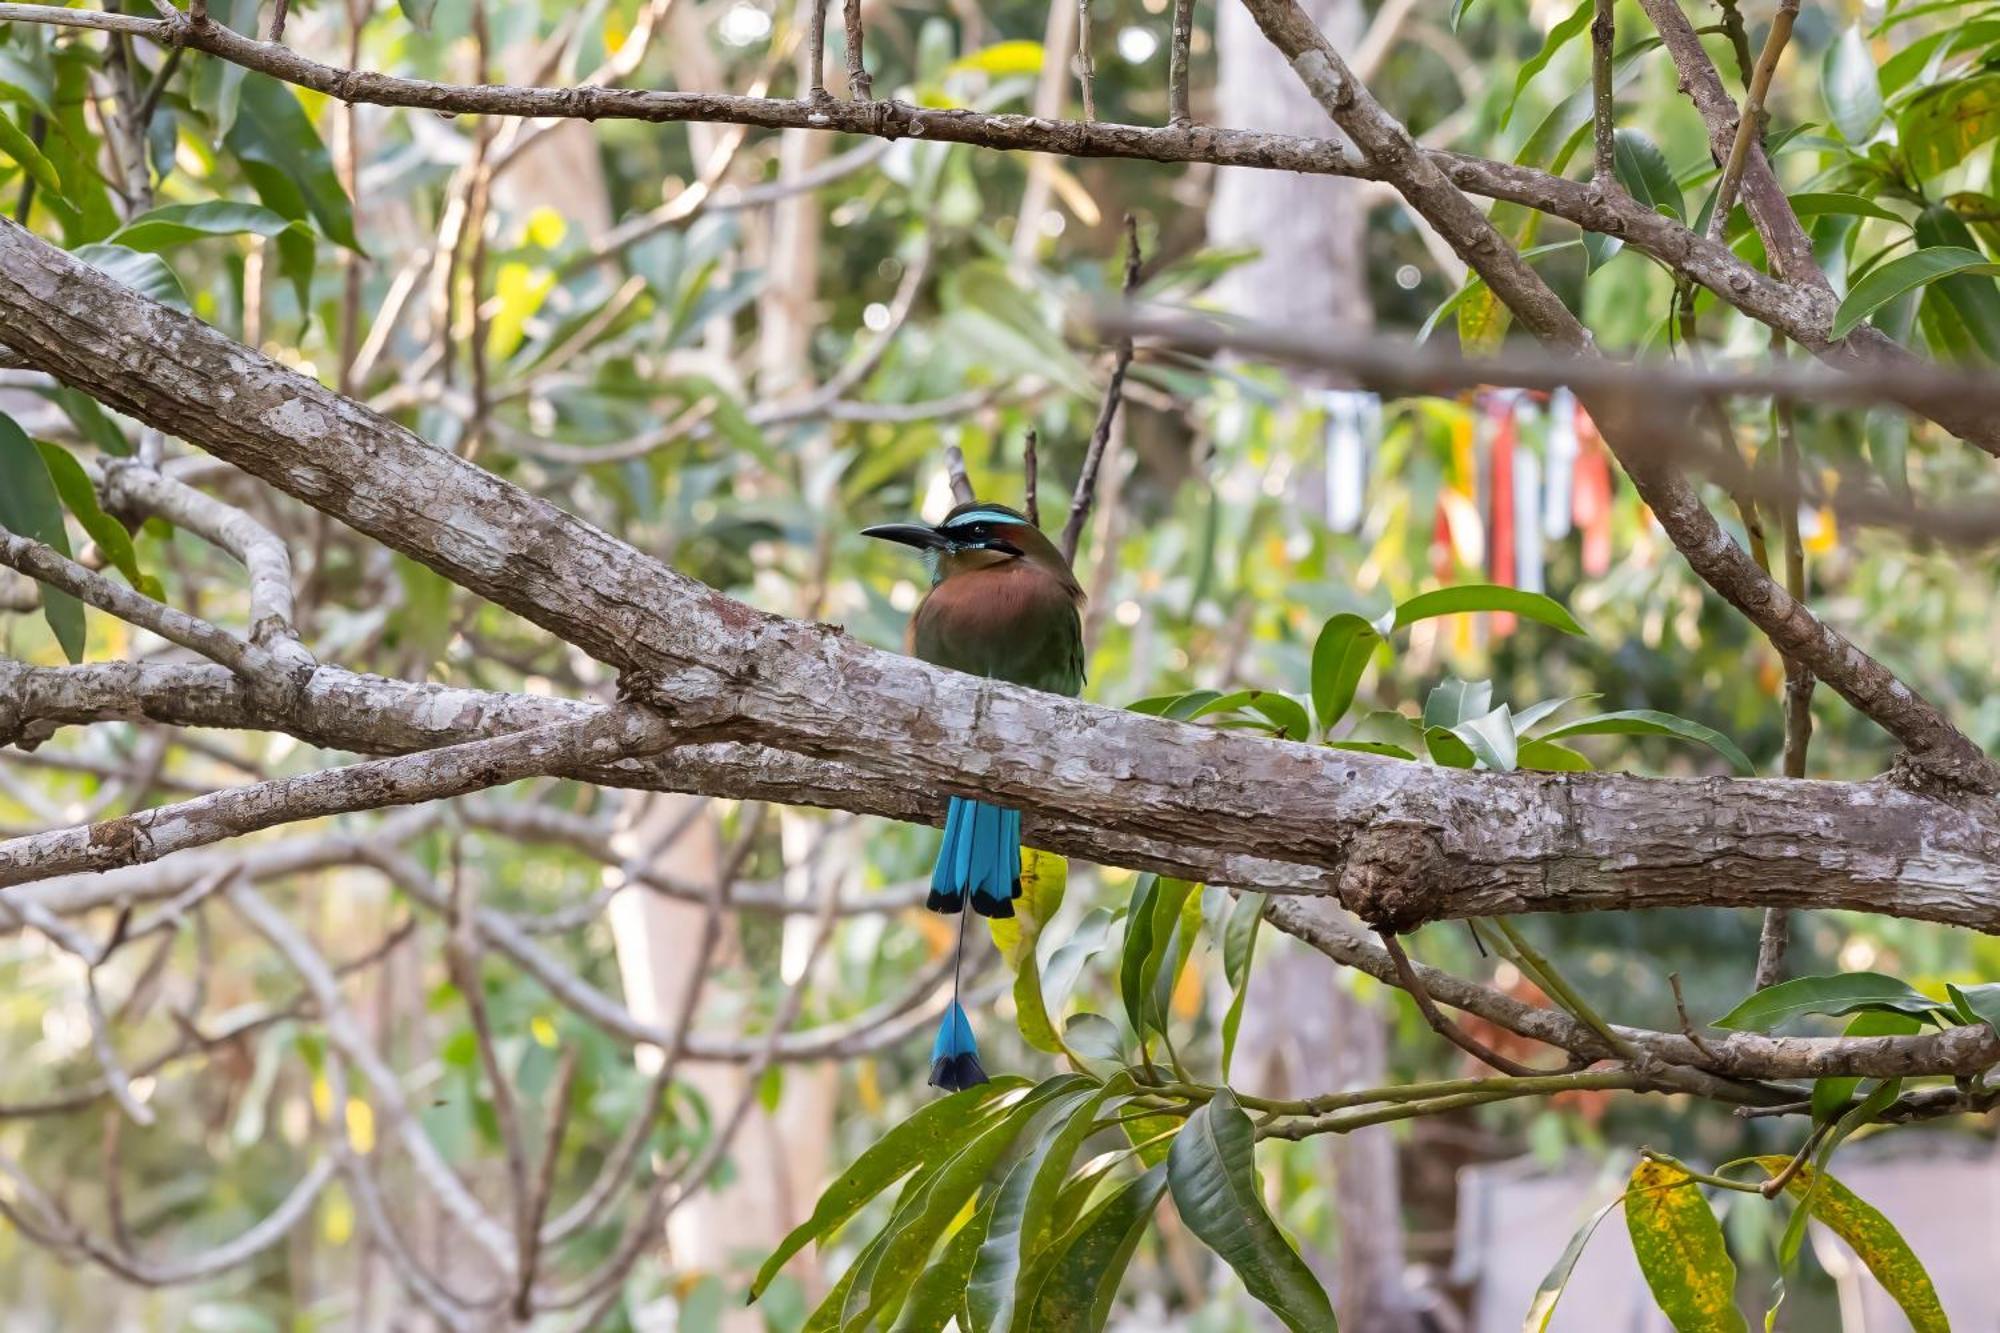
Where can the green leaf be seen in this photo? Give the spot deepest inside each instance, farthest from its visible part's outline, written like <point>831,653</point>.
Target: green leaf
<point>1239,950</point>
<point>1814,204</point>
<point>1383,748</point>
<point>1940,126</point>
<point>145,274</point>
<point>1535,712</point>
<point>1066,963</point>
<point>1490,737</point>
<point>1973,298</point>
<point>1486,597</point>
<point>1285,714</point>
<point>1559,36</point>
<point>1680,1249</point>
<point>1842,993</point>
<point>1340,655</point>
<point>1976,1004</point>
<point>72,483</point>
<point>1149,931</point>
<point>1548,757</point>
<point>178,224</point>
<point>92,422</point>
<point>1543,1308</point>
<point>939,1292</point>
<point>1903,274</point>
<point>1076,1291</point>
<point>1452,701</point>
<point>287,164</point>
<point>1831,1095</point>
<point>879,1293</point>
<point>30,507</point>
<point>1096,1040</point>
<point>418,12</point>
<point>1447,748</point>
<point>1642,169</point>
<point>1044,877</point>
<point>1213,1175</point>
<point>15,144</point>
<point>1649,722</point>
<point>923,1137</point>
<point>1021,1208</point>
<point>27,83</point>
<point>1851,86</point>
<point>1872,1237</point>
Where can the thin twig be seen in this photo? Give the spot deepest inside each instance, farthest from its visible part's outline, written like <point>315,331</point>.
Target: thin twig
<point>278,15</point>
<point>1775,937</point>
<point>1179,113</point>
<point>1749,124</point>
<point>1775,1186</point>
<point>1545,974</point>
<point>545,1183</point>
<point>816,55</point>
<point>1081,65</point>
<point>954,467</point>
<point>1031,504</point>
<point>1107,412</point>
<point>1687,1024</point>
<point>860,84</point>
<point>1441,1025</point>
<point>1602,34</point>
<point>1739,39</point>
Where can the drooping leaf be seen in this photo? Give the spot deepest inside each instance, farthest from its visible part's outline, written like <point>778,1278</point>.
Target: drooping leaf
<point>1901,275</point>
<point>926,1136</point>
<point>939,1292</point>
<point>1872,1237</point>
<point>17,146</point>
<point>1019,1213</point>
<point>1680,1250</point>
<point>1974,298</point>
<point>1284,714</point>
<point>1149,933</point>
<point>879,1293</point>
<point>1543,1307</point>
<point>178,224</point>
<point>1851,86</point>
<point>1076,1291</point>
<point>1044,877</point>
<point>1239,950</point>
<point>1340,655</point>
<point>145,274</point>
<point>418,12</point>
<point>1095,1040</point>
<point>286,162</point>
<point>1467,597</point>
<point>1448,748</point>
<point>1213,1175</point>
<point>1650,722</point>
<point>72,483</point>
<point>1066,963</point>
<point>1842,993</point>
<point>30,507</point>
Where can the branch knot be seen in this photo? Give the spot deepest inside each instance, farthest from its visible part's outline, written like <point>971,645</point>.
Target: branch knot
<point>1390,875</point>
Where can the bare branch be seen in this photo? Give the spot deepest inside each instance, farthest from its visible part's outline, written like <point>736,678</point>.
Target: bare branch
<point>1107,413</point>
<point>1750,124</point>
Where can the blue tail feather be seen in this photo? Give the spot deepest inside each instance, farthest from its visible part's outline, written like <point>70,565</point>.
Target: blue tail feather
<point>981,855</point>
<point>955,1055</point>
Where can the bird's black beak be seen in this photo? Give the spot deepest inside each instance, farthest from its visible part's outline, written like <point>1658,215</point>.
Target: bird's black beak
<point>909,534</point>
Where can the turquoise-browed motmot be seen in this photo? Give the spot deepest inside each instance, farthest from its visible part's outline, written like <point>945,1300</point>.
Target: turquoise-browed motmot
<point>1003,604</point>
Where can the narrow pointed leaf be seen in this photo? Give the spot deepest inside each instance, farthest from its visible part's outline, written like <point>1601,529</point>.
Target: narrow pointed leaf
<point>926,1136</point>
<point>1239,951</point>
<point>1836,995</point>
<point>1680,1250</point>
<point>1076,1292</point>
<point>30,507</point>
<point>1490,737</point>
<point>1486,597</point>
<point>1213,1174</point>
<point>1977,1004</point>
<point>1651,722</point>
<point>1872,1237</point>
<point>1453,701</point>
<point>72,483</point>
<point>1831,1095</point>
<point>1559,36</point>
<point>1543,1308</point>
<point>1549,757</point>
<point>1903,274</point>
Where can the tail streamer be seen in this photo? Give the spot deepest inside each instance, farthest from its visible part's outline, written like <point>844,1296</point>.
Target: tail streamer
<point>955,1055</point>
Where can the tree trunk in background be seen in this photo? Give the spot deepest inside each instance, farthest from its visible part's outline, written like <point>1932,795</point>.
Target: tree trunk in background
<point>1304,1030</point>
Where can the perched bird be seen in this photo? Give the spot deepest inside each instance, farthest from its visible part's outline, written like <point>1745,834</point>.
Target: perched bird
<point>1003,604</point>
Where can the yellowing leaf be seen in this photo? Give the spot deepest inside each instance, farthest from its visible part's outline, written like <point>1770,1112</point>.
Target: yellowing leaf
<point>1001,60</point>
<point>360,1126</point>
<point>546,228</point>
<point>543,1031</point>
<point>1680,1249</point>
<point>1874,1238</point>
